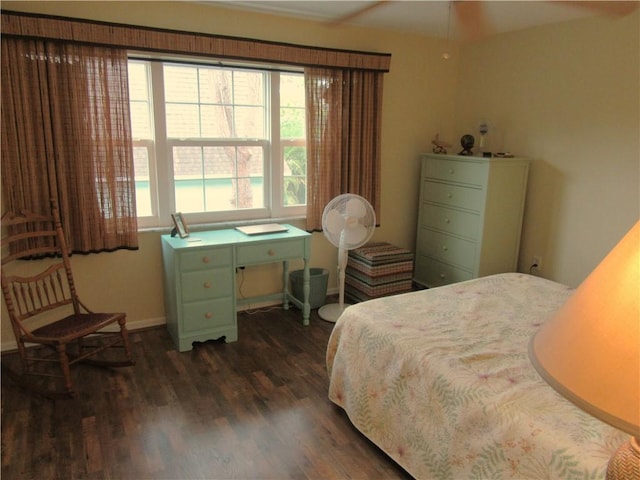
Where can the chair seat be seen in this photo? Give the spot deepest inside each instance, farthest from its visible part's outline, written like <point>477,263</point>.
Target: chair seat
<point>76,325</point>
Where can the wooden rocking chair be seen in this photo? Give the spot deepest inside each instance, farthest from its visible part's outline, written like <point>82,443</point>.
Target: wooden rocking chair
<point>44,308</point>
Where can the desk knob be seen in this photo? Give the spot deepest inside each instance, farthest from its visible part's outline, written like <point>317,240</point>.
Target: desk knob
<point>205,260</point>
<point>271,253</point>
<point>208,315</point>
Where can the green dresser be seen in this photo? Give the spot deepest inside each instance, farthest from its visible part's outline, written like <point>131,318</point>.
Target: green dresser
<point>199,279</point>
<point>470,217</point>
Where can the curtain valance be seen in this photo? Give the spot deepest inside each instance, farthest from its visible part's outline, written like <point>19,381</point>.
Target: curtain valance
<point>133,37</point>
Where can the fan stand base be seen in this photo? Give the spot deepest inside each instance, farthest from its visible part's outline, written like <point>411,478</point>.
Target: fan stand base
<point>332,311</point>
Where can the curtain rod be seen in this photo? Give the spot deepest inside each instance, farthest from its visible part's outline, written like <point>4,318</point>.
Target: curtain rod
<point>166,41</point>
<point>215,63</point>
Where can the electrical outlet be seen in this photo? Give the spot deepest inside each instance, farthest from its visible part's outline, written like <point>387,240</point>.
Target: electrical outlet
<point>536,263</point>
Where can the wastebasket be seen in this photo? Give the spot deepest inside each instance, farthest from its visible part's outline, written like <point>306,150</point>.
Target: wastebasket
<point>318,280</point>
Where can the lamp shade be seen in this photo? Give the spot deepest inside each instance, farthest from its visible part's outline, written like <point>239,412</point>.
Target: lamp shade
<point>589,351</point>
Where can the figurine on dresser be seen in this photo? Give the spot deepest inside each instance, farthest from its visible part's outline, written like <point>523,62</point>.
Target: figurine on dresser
<point>467,142</point>
<point>439,145</point>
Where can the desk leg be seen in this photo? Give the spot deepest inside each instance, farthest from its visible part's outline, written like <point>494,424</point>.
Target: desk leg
<point>306,288</point>
<point>285,285</point>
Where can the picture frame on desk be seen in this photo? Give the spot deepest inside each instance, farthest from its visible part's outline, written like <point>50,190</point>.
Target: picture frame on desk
<point>180,226</point>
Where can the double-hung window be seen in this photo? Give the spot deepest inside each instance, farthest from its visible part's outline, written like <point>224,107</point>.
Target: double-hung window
<point>217,143</point>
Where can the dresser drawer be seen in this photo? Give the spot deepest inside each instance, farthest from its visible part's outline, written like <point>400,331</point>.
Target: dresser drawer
<point>456,171</point>
<point>458,222</point>
<point>205,258</point>
<point>435,274</point>
<point>207,284</point>
<point>449,249</point>
<point>269,252</point>
<point>470,198</point>
<point>207,315</point>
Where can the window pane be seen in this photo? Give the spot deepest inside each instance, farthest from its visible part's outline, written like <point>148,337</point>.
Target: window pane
<point>295,175</point>
<point>210,179</point>
<point>180,84</point>
<point>183,121</point>
<point>292,123</point>
<point>214,121</point>
<point>249,185</point>
<point>292,90</point>
<point>248,88</point>
<point>249,122</point>
<point>293,134</point>
<point>215,85</point>
<point>207,102</point>
<point>292,106</point>
<point>138,90</point>
<point>140,121</point>
<point>143,185</point>
<point>219,171</point>
<point>187,179</point>
<point>139,101</point>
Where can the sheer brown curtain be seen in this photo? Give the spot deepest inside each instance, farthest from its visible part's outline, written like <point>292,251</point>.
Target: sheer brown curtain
<point>344,117</point>
<point>66,135</point>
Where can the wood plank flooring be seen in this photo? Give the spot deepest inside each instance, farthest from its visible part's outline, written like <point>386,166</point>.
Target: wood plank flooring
<point>253,409</point>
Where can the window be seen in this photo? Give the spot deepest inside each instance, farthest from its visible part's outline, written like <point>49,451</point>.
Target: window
<point>217,143</point>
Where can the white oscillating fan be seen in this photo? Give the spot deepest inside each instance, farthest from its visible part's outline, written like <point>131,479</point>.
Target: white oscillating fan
<point>348,221</point>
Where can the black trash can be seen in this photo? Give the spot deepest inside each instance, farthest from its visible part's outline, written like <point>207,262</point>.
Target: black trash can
<point>318,280</point>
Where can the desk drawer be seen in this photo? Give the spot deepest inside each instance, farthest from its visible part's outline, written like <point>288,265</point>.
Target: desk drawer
<point>269,252</point>
<point>449,249</point>
<point>211,314</point>
<point>205,258</point>
<point>207,284</point>
<point>449,220</point>
<point>456,171</point>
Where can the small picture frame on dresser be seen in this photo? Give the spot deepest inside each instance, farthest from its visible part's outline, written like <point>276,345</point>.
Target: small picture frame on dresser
<point>180,226</point>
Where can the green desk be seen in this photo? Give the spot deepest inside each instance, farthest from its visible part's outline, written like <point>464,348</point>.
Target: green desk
<point>200,272</point>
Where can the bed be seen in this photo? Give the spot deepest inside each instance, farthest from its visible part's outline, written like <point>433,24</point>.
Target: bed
<point>441,381</point>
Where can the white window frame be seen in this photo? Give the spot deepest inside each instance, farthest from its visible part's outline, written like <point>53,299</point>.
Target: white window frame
<point>159,150</point>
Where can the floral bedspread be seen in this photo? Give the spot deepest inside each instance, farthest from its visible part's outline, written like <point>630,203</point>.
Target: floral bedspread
<point>441,381</point>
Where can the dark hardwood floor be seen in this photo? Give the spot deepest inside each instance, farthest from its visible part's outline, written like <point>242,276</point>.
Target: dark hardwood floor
<point>256,408</point>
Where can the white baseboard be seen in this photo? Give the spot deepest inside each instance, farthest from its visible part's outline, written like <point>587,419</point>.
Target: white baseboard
<point>149,322</point>
<point>10,345</point>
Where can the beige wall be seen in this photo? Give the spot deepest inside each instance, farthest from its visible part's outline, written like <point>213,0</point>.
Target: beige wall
<point>566,96</point>
<point>419,99</point>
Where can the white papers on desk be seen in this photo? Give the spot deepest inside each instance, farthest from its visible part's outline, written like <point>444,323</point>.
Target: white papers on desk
<point>262,229</point>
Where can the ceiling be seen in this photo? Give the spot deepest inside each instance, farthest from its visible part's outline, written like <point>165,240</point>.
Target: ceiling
<point>429,17</point>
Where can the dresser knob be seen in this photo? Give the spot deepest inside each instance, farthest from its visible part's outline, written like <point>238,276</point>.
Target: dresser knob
<point>205,259</point>
<point>446,220</point>
<point>207,285</point>
<point>442,276</point>
<point>445,248</point>
<point>271,253</point>
<point>449,195</point>
<point>451,171</point>
<point>208,315</point>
